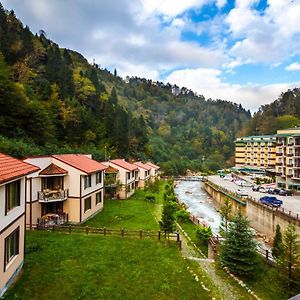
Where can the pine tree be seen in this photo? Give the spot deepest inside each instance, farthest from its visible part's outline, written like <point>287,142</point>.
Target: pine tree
<point>238,251</point>
<point>167,223</point>
<point>277,248</point>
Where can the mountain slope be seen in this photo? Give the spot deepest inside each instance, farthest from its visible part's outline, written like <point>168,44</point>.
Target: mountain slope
<point>53,100</point>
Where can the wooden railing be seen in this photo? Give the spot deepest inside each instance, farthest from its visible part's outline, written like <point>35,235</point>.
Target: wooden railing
<point>52,196</point>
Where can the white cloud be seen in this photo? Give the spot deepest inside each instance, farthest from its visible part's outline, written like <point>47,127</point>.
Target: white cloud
<point>268,37</point>
<point>171,9</point>
<point>293,67</point>
<point>221,3</point>
<point>208,82</point>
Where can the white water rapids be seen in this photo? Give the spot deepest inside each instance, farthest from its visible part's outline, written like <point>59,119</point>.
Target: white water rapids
<point>199,203</point>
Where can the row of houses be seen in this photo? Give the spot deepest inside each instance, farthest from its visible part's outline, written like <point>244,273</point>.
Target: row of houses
<point>278,154</point>
<point>51,190</point>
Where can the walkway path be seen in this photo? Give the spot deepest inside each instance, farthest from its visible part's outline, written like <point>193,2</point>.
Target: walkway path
<point>190,252</point>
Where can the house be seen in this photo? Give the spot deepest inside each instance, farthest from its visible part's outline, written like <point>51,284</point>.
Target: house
<point>154,172</point>
<point>111,182</point>
<point>12,217</point>
<point>144,174</point>
<point>127,176</point>
<point>69,187</point>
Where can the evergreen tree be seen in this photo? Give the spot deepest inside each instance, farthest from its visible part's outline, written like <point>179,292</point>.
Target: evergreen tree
<point>277,248</point>
<point>238,251</point>
<point>168,218</point>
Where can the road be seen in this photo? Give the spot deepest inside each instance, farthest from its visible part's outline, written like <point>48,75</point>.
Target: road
<point>290,203</point>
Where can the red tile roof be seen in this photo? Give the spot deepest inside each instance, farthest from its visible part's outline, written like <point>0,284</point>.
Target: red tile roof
<point>12,168</point>
<point>80,162</point>
<point>143,166</point>
<point>124,164</point>
<point>153,165</point>
<point>53,169</point>
<point>111,170</point>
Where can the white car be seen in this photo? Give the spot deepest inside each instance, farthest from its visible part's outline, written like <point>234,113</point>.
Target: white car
<point>242,193</point>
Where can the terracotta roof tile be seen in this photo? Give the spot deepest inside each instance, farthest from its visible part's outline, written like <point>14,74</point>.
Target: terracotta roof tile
<point>11,168</point>
<point>143,166</point>
<point>81,162</point>
<point>153,165</point>
<point>111,170</point>
<point>53,169</point>
<point>124,164</point>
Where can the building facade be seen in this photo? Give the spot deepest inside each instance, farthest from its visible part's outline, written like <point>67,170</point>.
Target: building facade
<point>69,188</point>
<point>256,151</point>
<point>154,172</point>
<point>127,176</point>
<point>143,174</point>
<point>12,217</point>
<point>288,158</point>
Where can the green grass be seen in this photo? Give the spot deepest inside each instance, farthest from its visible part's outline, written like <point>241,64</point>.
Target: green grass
<point>134,213</point>
<point>190,229</point>
<point>267,276</point>
<point>60,266</point>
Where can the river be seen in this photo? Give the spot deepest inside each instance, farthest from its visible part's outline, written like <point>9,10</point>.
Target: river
<point>199,203</point>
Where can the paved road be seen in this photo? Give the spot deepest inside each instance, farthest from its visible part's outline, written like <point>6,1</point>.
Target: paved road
<point>290,203</point>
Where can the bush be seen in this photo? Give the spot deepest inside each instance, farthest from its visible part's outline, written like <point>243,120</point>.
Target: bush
<point>183,215</point>
<point>150,198</point>
<point>203,233</point>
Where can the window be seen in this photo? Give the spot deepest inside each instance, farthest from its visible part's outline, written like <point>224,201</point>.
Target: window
<point>87,203</point>
<point>87,181</point>
<point>128,176</point>
<point>98,197</point>
<point>98,177</point>
<point>132,174</point>
<point>12,197</point>
<point>12,246</point>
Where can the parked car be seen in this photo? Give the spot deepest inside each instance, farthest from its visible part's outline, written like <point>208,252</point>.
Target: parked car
<point>283,192</point>
<point>242,192</point>
<point>271,200</point>
<point>260,189</point>
<point>227,177</point>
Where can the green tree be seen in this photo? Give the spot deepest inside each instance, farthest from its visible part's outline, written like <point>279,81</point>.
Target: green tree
<point>204,233</point>
<point>238,250</point>
<point>277,248</point>
<point>289,261</point>
<point>167,223</point>
<point>225,212</point>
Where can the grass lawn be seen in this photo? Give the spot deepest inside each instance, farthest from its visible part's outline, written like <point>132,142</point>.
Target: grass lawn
<point>190,229</point>
<point>134,213</point>
<point>60,266</point>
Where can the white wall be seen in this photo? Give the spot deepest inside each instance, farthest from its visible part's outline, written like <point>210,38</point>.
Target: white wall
<point>15,212</point>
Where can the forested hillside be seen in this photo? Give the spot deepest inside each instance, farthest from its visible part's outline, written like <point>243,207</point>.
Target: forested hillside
<point>52,100</point>
<point>280,114</point>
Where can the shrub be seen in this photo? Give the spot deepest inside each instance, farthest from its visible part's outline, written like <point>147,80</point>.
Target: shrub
<point>150,198</point>
<point>183,215</point>
<point>203,233</point>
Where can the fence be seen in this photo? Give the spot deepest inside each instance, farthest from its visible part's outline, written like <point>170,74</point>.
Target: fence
<point>287,213</point>
<point>115,232</point>
<point>216,239</point>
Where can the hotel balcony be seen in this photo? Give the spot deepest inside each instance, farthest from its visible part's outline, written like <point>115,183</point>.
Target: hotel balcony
<point>279,153</point>
<point>279,144</point>
<point>279,164</point>
<point>46,196</point>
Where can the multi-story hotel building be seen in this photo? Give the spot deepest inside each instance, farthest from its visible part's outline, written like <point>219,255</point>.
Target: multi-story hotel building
<point>288,158</point>
<point>256,151</point>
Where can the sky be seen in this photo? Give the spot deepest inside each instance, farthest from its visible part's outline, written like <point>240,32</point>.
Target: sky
<point>246,51</point>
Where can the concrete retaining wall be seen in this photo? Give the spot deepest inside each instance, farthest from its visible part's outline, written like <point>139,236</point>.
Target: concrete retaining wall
<point>262,218</point>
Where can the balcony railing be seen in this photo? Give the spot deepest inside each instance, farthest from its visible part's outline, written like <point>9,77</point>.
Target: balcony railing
<point>53,195</point>
<point>53,219</point>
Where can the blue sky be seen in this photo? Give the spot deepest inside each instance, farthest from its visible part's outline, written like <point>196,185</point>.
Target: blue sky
<point>246,51</point>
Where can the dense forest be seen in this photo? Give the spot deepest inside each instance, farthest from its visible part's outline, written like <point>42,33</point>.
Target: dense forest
<point>282,113</point>
<point>52,100</point>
